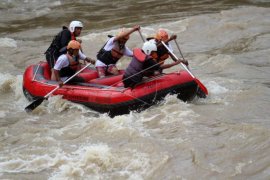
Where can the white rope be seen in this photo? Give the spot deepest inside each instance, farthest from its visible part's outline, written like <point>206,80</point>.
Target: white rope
<point>154,96</point>
<point>135,74</point>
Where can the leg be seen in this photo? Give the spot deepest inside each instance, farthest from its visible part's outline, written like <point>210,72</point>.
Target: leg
<point>113,70</point>
<point>51,58</point>
<point>128,82</point>
<point>101,71</point>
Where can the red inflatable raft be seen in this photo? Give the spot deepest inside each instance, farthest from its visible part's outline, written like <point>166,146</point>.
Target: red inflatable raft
<point>108,94</point>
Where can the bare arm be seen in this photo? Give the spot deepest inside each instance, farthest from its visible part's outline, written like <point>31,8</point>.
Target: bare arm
<point>173,37</point>
<point>165,66</point>
<point>126,33</point>
<point>57,77</point>
<point>90,60</point>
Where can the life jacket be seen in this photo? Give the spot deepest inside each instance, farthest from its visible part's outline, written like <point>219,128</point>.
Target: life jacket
<point>139,55</point>
<point>57,46</point>
<point>111,56</point>
<point>73,36</point>
<point>136,65</point>
<point>70,70</point>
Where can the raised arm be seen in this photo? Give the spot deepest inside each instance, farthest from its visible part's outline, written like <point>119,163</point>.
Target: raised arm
<point>127,33</point>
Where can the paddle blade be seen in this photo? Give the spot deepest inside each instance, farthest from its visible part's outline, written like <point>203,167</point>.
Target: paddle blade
<point>203,89</point>
<point>33,105</point>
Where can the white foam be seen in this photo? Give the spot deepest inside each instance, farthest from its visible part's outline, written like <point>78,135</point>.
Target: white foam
<point>42,12</point>
<point>18,164</point>
<point>215,88</point>
<point>6,81</point>
<point>176,111</point>
<point>87,161</point>
<point>129,125</point>
<point>55,3</point>
<point>8,42</point>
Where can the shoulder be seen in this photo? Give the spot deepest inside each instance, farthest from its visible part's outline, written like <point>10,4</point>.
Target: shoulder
<point>111,40</point>
<point>62,58</point>
<point>139,55</point>
<point>110,44</point>
<point>65,32</point>
<point>61,62</point>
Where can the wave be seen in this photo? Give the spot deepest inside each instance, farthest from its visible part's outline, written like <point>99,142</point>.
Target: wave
<point>8,42</point>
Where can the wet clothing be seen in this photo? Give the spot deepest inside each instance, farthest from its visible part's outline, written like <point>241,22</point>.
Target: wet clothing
<point>111,53</point>
<point>140,61</point>
<point>58,46</point>
<point>66,70</point>
<point>108,56</point>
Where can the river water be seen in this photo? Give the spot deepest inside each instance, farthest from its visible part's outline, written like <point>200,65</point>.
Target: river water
<point>225,136</point>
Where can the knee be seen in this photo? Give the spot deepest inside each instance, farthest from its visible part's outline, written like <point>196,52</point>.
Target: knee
<point>101,71</point>
<point>113,71</point>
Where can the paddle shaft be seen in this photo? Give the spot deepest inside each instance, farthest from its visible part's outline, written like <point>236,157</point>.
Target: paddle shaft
<point>141,35</point>
<point>178,47</point>
<point>202,87</point>
<point>183,65</point>
<point>47,95</point>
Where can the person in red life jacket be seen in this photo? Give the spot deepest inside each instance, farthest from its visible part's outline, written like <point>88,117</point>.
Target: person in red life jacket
<point>143,63</point>
<point>67,64</point>
<point>61,40</point>
<point>162,52</point>
<point>112,51</point>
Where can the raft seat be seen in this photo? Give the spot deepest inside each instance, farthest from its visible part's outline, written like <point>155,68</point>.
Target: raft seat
<point>89,74</point>
<point>108,80</point>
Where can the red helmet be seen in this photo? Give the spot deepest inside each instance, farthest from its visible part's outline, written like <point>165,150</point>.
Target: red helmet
<point>162,35</point>
<point>73,44</point>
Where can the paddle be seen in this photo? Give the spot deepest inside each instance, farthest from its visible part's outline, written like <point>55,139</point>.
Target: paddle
<point>38,101</point>
<point>141,35</point>
<point>178,47</point>
<point>201,86</point>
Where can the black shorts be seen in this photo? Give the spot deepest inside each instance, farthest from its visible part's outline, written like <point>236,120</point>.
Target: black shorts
<point>128,82</point>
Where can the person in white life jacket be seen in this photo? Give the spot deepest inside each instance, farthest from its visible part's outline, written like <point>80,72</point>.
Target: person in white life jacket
<point>143,63</point>
<point>61,40</point>
<point>162,52</point>
<point>67,64</point>
<point>112,51</point>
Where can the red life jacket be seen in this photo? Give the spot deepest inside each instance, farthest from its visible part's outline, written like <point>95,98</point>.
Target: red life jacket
<point>73,36</point>
<point>139,55</point>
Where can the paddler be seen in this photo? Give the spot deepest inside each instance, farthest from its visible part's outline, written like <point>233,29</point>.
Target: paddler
<point>67,64</point>
<point>162,52</point>
<point>143,63</point>
<point>112,51</point>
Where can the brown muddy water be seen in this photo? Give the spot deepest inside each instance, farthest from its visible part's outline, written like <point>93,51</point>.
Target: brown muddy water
<point>225,136</point>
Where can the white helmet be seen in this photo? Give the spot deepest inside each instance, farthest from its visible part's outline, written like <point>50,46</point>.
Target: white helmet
<point>75,24</point>
<point>149,46</point>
